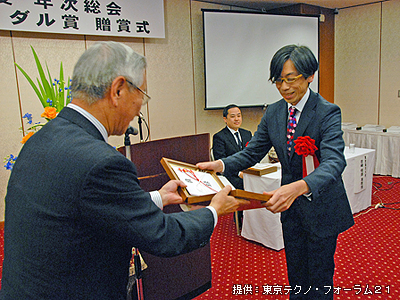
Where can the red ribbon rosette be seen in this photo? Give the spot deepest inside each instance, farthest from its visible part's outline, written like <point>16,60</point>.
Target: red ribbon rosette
<point>305,146</point>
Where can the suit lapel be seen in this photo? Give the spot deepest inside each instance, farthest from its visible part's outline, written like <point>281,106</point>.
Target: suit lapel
<point>282,129</point>
<point>307,115</point>
<point>231,139</point>
<point>243,137</point>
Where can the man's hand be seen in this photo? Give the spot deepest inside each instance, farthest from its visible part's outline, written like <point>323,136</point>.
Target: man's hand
<point>169,192</point>
<point>225,204</point>
<point>283,197</point>
<point>216,166</point>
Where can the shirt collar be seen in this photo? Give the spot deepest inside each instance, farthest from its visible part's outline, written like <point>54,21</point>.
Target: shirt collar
<point>232,130</point>
<point>92,119</point>
<point>299,106</point>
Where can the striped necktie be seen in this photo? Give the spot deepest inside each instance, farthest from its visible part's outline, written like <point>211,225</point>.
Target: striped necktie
<point>238,140</point>
<point>291,127</point>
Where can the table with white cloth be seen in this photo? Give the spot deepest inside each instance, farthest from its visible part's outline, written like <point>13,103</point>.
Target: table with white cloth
<point>262,226</point>
<point>386,144</point>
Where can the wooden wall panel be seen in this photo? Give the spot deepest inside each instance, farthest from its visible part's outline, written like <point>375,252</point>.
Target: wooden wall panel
<point>389,101</point>
<point>326,43</point>
<point>357,63</point>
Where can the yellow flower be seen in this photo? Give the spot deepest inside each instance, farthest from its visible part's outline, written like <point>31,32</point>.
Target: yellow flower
<point>26,137</point>
<point>49,112</point>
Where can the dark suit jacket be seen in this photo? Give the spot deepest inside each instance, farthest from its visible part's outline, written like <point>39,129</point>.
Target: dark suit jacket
<point>74,210</point>
<point>329,211</point>
<point>224,145</point>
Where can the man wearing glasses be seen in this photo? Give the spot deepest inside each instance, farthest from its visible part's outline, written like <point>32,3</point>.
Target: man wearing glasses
<point>74,207</point>
<point>315,209</point>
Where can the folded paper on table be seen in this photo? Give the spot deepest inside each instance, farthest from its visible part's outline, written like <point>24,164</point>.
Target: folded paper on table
<point>373,127</point>
<point>395,129</point>
<point>349,125</point>
<point>203,185</point>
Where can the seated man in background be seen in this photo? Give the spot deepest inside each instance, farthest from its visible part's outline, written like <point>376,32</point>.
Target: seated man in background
<point>230,140</point>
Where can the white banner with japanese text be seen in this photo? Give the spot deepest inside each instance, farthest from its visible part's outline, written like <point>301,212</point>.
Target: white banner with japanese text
<point>129,18</point>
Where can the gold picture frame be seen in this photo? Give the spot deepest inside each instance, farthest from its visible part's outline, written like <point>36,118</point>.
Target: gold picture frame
<point>192,176</point>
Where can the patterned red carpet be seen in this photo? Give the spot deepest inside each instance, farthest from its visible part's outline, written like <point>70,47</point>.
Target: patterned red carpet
<point>367,258</point>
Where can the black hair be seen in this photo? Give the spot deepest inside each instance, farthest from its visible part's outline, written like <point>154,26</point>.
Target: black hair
<point>225,112</point>
<point>301,56</point>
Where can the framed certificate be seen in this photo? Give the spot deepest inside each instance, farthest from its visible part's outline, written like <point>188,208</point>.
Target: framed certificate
<point>202,185</point>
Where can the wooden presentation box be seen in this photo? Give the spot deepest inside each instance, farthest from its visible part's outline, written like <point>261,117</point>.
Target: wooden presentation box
<point>261,169</point>
<point>189,174</point>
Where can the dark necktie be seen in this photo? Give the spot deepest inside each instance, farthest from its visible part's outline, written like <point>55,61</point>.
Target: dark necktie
<point>238,140</point>
<point>291,127</point>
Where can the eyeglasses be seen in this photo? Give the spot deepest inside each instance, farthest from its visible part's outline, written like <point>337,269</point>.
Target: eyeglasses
<point>146,97</point>
<point>288,80</point>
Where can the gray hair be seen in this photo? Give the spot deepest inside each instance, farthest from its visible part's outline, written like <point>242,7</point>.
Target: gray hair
<point>100,65</point>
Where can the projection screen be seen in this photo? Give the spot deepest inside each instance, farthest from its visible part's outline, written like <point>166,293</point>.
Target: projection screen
<point>238,47</point>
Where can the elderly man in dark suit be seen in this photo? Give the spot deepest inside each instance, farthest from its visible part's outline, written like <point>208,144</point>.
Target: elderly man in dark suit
<point>74,207</point>
<point>315,208</point>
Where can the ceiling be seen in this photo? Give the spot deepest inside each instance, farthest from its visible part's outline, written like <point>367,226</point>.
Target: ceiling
<point>263,5</point>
